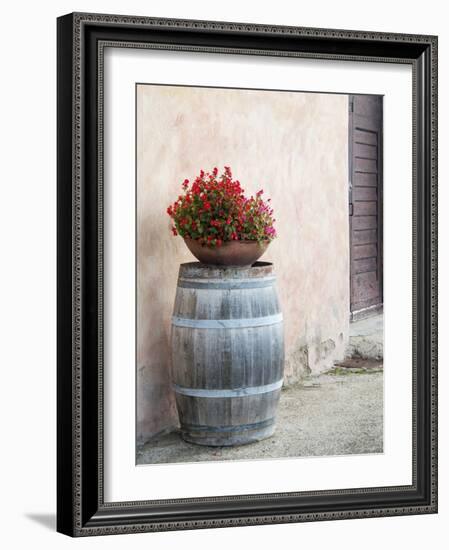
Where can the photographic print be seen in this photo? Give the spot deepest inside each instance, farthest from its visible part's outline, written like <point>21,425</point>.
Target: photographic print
<point>259,281</point>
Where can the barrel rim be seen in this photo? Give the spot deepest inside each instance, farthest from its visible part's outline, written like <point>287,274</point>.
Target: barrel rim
<point>249,283</point>
<point>197,270</point>
<point>228,428</point>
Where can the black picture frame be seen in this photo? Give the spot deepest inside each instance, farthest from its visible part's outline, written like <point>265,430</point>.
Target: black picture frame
<point>81,510</point>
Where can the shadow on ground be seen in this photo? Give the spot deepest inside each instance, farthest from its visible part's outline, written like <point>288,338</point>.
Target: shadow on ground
<point>46,520</point>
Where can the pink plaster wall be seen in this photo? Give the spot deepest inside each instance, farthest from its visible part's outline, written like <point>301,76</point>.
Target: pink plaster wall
<point>294,146</point>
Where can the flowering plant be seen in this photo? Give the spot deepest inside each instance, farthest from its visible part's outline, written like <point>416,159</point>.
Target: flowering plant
<point>214,209</point>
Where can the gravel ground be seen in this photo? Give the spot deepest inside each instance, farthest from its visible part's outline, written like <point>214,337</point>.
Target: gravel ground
<point>337,413</point>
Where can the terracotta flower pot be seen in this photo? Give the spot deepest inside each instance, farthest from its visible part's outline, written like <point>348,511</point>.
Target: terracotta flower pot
<point>230,253</point>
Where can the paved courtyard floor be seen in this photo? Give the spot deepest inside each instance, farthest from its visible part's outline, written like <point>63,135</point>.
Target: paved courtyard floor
<point>337,413</point>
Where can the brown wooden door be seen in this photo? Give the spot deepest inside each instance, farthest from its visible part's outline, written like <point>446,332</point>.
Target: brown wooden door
<point>365,203</point>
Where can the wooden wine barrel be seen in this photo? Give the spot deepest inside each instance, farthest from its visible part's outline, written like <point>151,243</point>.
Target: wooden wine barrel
<point>227,353</point>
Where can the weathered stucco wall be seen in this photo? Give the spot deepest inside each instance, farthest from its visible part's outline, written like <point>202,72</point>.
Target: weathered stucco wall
<point>294,146</point>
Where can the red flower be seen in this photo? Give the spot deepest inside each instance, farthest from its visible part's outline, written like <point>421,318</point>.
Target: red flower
<point>215,210</point>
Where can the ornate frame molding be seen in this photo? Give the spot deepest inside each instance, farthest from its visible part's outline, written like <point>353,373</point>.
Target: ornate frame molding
<point>81,42</point>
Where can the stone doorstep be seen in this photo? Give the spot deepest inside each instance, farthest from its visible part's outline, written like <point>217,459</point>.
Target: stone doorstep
<point>366,338</point>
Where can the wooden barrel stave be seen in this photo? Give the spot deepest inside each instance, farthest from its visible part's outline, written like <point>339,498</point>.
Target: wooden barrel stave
<point>207,303</point>
<point>252,418</point>
<point>227,353</point>
<point>219,361</point>
<point>198,411</point>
